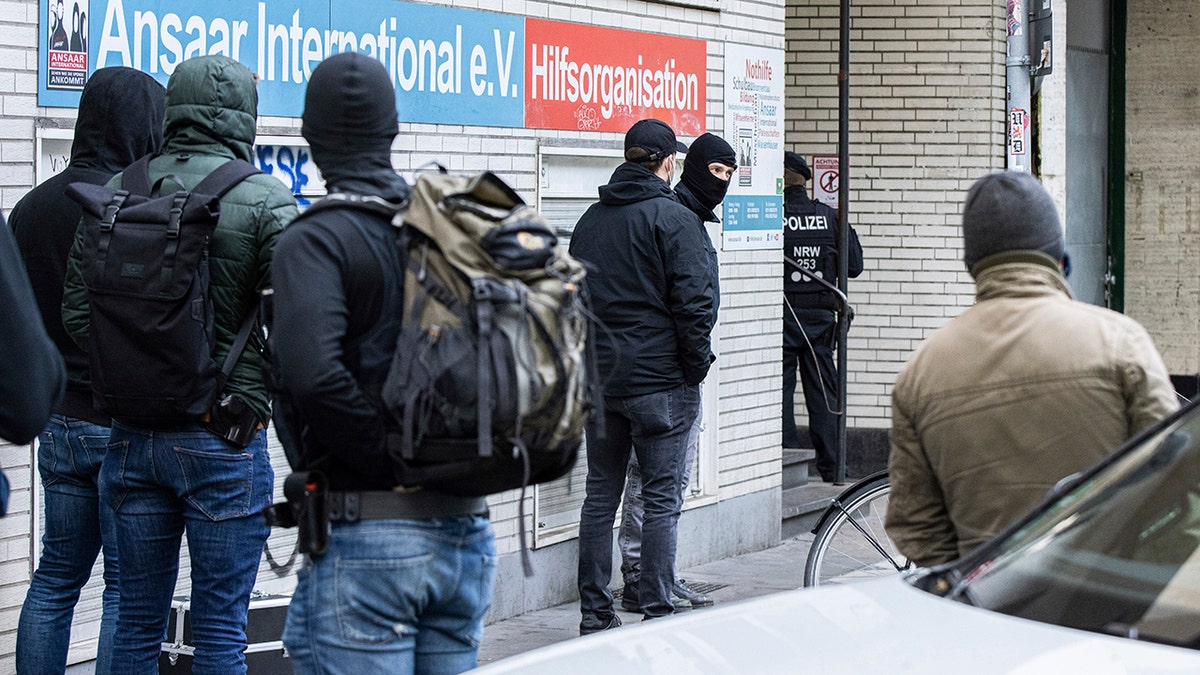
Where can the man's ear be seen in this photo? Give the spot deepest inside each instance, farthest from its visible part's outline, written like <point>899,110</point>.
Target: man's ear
<point>667,168</point>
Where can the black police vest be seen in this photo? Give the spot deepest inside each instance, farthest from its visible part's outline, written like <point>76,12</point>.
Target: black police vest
<point>809,240</point>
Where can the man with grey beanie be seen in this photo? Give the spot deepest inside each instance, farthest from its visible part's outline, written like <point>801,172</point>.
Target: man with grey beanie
<point>1024,388</point>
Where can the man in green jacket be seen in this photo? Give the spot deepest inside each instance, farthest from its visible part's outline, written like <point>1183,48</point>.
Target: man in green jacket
<point>171,479</point>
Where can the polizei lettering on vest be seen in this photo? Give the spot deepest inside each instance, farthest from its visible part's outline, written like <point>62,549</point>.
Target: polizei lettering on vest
<point>806,223</point>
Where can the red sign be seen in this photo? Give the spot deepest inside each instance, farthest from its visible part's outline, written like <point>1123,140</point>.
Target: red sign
<point>604,79</point>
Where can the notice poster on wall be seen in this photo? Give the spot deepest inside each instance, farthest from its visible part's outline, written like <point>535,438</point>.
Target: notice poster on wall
<point>753,211</point>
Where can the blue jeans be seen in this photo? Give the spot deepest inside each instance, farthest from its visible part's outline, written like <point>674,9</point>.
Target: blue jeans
<point>655,427</point>
<point>78,524</point>
<point>629,537</point>
<point>162,485</point>
<point>394,597</point>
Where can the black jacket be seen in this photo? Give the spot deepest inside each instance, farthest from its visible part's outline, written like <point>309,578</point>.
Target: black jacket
<point>31,372</point>
<point>120,120</point>
<point>329,296</point>
<point>650,285</point>
<point>706,215</point>
<point>810,237</point>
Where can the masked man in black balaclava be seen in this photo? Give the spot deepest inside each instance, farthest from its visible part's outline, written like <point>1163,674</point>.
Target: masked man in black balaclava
<point>702,186</point>
<point>337,305</point>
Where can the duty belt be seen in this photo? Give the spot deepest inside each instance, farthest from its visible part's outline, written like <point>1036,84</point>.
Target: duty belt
<point>350,507</point>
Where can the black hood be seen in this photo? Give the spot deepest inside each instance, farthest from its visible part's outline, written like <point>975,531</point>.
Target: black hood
<point>349,122</point>
<point>634,183</point>
<point>120,119</point>
<point>706,188</point>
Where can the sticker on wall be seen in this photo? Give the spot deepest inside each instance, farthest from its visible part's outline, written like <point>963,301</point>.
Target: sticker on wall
<point>1018,125</point>
<point>66,41</point>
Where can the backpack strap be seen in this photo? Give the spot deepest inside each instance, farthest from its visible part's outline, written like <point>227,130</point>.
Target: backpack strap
<point>135,179</point>
<point>369,203</point>
<point>224,177</point>
<point>238,346</point>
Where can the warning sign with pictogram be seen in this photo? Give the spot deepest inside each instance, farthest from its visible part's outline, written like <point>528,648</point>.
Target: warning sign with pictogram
<point>825,179</point>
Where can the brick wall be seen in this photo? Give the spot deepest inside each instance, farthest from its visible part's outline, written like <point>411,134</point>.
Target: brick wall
<point>927,117</point>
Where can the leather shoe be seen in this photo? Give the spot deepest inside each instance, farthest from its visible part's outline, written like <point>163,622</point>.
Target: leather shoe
<point>631,603</point>
<point>594,623</point>
<point>694,599</point>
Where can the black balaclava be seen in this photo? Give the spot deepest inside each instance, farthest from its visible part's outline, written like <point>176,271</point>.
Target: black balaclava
<point>706,187</point>
<point>349,121</point>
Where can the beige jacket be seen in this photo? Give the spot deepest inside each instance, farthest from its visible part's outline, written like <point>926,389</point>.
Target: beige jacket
<point>1024,388</point>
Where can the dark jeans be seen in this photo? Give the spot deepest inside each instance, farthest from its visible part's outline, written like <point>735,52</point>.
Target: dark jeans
<point>655,427</point>
<point>163,486</point>
<point>70,452</point>
<point>819,379</point>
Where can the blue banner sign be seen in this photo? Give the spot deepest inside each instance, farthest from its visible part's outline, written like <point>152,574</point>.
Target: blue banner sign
<point>449,66</point>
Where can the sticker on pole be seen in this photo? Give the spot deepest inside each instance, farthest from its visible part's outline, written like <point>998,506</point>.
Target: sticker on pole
<point>1018,125</point>
<point>826,181</point>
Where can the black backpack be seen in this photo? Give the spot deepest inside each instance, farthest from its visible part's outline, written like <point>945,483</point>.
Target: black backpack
<point>145,265</point>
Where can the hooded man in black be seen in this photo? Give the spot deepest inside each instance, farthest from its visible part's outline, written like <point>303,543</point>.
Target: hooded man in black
<point>652,288</point>
<point>412,571</point>
<point>120,119</point>
<point>702,186</point>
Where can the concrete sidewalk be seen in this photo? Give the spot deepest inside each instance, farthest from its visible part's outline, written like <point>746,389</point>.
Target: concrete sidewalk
<point>746,576</point>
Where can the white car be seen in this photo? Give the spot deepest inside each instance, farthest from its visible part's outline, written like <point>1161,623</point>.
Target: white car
<point>1102,578</point>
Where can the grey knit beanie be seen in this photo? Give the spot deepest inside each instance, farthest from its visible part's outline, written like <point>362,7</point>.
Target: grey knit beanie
<point>1009,211</point>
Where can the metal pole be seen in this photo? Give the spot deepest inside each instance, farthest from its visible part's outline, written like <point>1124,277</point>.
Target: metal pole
<point>844,228</point>
<point>1019,95</point>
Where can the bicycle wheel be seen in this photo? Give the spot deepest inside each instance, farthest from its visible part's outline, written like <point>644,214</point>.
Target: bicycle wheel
<point>851,544</point>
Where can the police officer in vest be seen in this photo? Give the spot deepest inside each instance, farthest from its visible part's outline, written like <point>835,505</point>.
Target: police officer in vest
<point>810,239</point>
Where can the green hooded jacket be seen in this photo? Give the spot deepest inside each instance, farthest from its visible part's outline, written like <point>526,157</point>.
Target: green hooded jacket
<point>211,112</point>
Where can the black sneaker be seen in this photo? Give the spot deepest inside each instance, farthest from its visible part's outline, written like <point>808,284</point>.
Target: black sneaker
<point>593,623</point>
<point>695,600</point>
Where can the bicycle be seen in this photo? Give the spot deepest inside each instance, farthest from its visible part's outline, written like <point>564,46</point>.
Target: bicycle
<point>850,542</point>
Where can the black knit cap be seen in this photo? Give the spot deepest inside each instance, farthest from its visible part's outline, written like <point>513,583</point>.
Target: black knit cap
<point>795,162</point>
<point>1010,211</point>
<point>655,137</point>
<point>349,104</point>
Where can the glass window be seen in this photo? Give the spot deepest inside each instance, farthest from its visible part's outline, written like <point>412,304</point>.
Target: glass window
<point>1118,554</point>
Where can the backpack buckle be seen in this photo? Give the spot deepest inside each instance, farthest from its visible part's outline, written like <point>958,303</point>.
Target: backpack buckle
<point>110,211</point>
<point>176,214</point>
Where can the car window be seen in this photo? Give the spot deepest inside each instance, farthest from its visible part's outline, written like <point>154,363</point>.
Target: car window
<point>1117,554</point>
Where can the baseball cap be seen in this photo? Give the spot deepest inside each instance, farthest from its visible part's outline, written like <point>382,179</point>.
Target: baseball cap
<point>653,136</point>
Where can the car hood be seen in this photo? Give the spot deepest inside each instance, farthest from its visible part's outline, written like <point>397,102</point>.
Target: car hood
<point>884,625</point>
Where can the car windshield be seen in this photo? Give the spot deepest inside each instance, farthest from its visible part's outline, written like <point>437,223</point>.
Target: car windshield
<point>1117,554</point>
